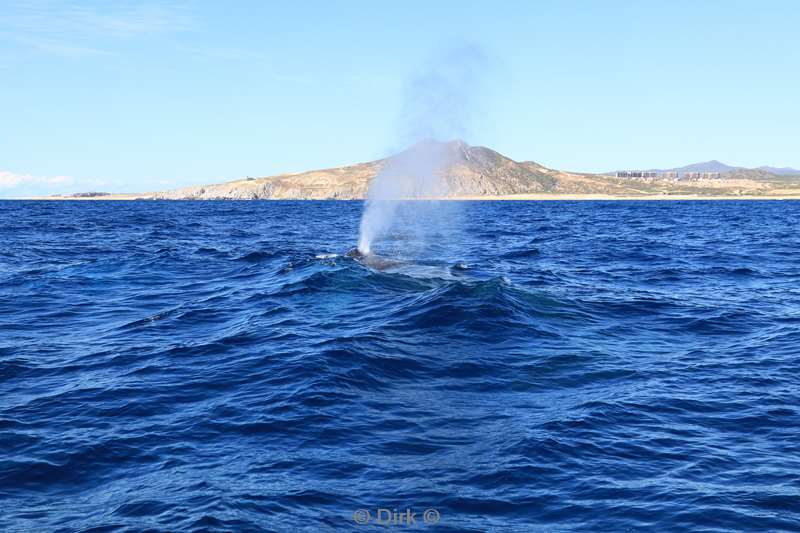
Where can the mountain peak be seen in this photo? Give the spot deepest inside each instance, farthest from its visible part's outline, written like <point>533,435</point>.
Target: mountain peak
<point>429,143</point>
<point>713,165</point>
<point>453,151</point>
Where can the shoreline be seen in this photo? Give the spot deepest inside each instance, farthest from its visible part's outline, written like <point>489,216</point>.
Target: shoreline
<point>509,197</point>
<point>604,197</point>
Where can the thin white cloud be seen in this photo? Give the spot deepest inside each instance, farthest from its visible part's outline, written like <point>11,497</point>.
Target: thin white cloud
<point>137,19</point>
<point>72,29</point>
<point>10,180</point>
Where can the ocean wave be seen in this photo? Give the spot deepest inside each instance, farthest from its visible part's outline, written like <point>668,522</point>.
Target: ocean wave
<point>545,366</point>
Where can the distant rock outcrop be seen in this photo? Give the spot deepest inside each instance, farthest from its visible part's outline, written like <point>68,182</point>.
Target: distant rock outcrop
<point>88,194</point>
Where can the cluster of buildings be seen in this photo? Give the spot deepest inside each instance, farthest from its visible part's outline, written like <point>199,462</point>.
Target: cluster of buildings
<point>702,175</point>
<point>673,175</point>
<point>636,174</point>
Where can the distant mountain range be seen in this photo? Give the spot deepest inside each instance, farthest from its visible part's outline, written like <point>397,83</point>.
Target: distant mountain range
<point>780,171</point>
<point>719,166</point>
<point>476,172</point>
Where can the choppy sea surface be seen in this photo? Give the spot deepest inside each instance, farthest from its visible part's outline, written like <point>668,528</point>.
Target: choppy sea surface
<point>517,366</point>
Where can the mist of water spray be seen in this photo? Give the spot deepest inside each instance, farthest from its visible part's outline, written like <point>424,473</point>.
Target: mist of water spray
<point>440,103</point>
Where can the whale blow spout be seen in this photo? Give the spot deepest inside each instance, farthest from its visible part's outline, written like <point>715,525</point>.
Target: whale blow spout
<point>356,253</point>
<point>363,245</point>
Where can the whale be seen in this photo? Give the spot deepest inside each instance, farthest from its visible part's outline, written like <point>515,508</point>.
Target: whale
<point>372,260</point>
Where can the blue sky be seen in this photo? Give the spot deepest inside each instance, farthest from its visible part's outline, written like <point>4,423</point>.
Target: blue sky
<point>149,95</point>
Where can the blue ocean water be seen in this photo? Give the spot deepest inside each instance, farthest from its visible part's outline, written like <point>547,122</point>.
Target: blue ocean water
<point>523,366</point>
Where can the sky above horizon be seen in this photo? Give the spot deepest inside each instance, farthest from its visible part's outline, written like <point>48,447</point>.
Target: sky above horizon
<point>137,96</point>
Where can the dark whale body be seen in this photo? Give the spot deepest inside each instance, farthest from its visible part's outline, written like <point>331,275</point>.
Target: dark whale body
<point>372,260</point>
